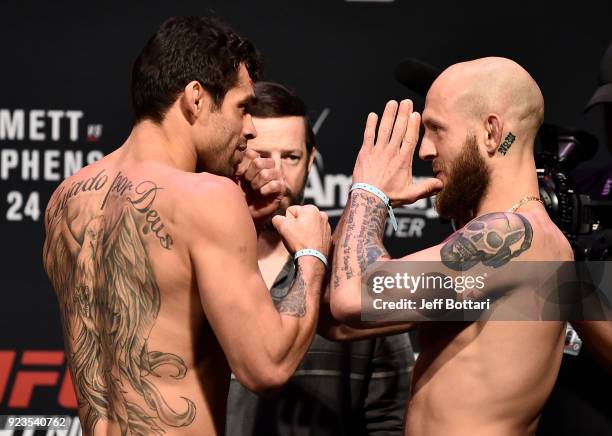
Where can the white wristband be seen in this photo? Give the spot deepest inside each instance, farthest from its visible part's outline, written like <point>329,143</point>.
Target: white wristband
<point>374,190</point>
<point>310,252</point>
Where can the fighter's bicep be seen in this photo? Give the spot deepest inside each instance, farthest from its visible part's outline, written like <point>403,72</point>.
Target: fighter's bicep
<point>223,247</point>
<point>232,291</point>
<point>492,240</point>
<point>487,244</point>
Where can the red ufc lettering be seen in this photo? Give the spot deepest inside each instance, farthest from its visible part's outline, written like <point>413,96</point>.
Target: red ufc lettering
<point>6,363</point>
<point>67,398</point>
<point>26,381</point>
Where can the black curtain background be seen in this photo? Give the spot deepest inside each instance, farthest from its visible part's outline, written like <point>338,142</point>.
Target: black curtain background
<point>65,97</point>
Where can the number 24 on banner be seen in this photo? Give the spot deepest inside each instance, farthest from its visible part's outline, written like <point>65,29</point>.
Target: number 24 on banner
<point>18,209</point>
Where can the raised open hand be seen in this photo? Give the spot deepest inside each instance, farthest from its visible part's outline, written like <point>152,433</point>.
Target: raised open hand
<point>385,160</point>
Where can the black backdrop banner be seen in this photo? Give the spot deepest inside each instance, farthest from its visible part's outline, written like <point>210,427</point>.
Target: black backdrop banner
<point>65,102</point>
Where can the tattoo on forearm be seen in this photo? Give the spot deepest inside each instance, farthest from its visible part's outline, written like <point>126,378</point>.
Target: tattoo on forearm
<point>362,241</point>
<point>106,288</point>
<point>371,232</point>
<point>492,239</point>
<point>346,247</point>
<point>505,146</point>
<point>294,303</point>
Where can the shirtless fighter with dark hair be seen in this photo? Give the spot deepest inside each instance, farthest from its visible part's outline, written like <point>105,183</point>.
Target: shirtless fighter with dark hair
<point>152,253</point>
<point>480,118</point>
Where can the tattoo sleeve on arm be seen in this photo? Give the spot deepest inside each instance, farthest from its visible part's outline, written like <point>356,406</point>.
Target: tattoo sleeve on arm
<point>361,236</point>
<point>493,239</point>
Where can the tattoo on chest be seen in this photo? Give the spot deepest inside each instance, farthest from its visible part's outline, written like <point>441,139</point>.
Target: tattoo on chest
<point>110,301</point>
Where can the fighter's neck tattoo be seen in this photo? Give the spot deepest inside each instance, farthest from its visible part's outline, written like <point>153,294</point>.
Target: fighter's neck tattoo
<point>505,146</point>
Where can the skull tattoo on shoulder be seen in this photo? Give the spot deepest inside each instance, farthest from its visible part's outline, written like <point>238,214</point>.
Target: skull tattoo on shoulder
<point>492,239</point>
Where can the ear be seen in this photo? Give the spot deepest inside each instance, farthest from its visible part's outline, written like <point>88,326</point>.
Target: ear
<point>311,158</point>
<point>494,127</point>
<point>194,100</point>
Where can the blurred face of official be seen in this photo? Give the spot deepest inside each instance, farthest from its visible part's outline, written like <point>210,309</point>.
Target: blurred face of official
<point>284,140</point>
<point>450,143</point>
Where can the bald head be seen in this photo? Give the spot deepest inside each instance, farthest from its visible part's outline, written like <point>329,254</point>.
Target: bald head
<point>492,85</point>
<point>480,119</point>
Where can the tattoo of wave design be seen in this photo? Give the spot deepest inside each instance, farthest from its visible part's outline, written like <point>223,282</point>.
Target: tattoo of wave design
<point>109,302</point>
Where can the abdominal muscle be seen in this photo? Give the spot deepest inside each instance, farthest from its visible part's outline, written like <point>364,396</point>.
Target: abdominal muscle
<point>483,378</point>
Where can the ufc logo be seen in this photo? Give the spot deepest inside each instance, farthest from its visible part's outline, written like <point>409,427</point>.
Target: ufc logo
<point>94,131</point>
<point>30,377</point>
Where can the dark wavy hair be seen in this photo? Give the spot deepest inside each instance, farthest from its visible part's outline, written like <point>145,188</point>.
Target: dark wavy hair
<point>185,49</point>
<point>273,100</point>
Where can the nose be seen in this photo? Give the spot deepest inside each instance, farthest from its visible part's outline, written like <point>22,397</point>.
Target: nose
<point>427,150</point>
<point>277,161</point>
<point>248,128</point>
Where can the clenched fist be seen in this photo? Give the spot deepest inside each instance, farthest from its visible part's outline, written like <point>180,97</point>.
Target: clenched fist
<point>262,183</point>
<point>304,227</point>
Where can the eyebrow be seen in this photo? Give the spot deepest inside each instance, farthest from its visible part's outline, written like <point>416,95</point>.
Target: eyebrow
<point>284,151</point>
<point>249,100</point>
<point>429,121</point>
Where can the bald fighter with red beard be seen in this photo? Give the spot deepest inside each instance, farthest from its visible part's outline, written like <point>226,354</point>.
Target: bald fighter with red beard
<point>481,119</point>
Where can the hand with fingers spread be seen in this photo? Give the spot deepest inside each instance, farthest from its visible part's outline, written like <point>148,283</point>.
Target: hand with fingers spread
<point>304,227</point>
<point>385,159</point>
<point>262,183</point>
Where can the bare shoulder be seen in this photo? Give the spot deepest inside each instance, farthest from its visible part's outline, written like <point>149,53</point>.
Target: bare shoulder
<point>85,183</point>
<point>210,194</point>
<point>549,242</point>
<point>189,205</point>
<point>497,238</point>
<point>213,203</point>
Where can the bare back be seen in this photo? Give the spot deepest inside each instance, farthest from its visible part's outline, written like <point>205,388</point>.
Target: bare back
<point>489,377</point>
<point>142,355</point>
